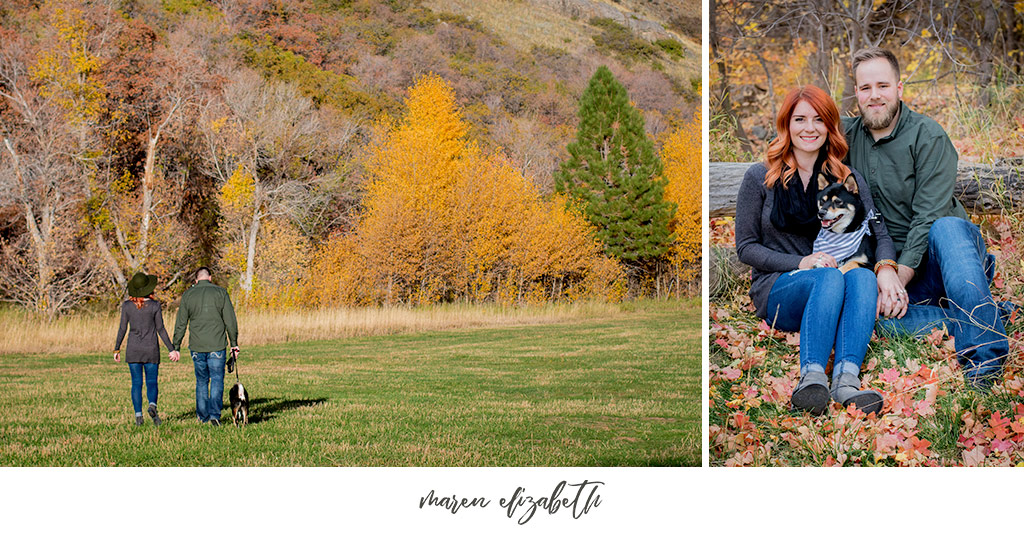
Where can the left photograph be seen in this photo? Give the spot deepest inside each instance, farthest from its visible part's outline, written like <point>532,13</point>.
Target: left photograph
<point>350,233</point>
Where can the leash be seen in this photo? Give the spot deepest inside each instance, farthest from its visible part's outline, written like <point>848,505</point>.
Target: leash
<point>234,360</point>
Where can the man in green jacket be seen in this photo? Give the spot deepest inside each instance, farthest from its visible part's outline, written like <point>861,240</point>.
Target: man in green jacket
<point>207,308</point>
<point>944,268</point>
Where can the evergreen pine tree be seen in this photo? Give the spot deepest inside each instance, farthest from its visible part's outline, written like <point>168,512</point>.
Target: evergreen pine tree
<point>615,173</point>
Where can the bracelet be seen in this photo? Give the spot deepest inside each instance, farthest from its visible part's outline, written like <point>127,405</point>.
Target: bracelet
<point>884,263</point>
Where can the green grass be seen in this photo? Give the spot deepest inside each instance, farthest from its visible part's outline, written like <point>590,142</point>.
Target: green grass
<point>619,390</point>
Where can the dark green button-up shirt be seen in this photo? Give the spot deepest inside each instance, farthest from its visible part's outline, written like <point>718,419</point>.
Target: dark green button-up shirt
<point>207,313</point>
<point>911,173</point>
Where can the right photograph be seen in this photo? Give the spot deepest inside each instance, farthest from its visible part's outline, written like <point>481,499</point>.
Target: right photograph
<point>865,227</point>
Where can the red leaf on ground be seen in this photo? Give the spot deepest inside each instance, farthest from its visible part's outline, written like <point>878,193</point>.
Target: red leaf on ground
<point>731,373</point>
<point>1002,445</point>
<point>890,375</point>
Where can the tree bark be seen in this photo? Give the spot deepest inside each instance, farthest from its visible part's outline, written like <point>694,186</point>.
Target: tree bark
<point>108,257</point>
<point>250,255</point>
<point>147,201</point>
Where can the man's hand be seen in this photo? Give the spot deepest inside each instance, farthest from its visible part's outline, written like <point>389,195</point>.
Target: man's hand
<point>905,273</point>
<point>892,297</point>
<point>175,355</point>
<point>117,356</point>
<point>235,351</point>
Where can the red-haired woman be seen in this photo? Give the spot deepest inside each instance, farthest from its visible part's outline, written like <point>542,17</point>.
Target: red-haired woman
<point>141,312</point>
<point>794,286</point>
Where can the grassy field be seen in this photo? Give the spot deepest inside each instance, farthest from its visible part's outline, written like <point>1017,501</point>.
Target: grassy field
<point>623,389</point>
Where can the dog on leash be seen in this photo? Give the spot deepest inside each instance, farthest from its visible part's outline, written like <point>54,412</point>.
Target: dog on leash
<point>239,405</point>
<point>845,233</point>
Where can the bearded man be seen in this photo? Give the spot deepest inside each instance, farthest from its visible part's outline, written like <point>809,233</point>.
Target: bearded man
<point>943,265</point>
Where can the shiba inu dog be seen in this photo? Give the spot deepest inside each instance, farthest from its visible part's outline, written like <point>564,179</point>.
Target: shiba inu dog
<point>844,232</point>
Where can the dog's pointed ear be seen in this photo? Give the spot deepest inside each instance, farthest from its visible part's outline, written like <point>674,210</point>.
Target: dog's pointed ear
<point>851,184</point>
<point>822,182</point>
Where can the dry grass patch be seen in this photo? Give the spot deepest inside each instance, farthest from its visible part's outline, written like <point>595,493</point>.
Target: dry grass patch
<point>23,333</point>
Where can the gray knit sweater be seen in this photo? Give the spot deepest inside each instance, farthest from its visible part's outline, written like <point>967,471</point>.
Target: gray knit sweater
<point>143,326</point>
<point>771,252</point>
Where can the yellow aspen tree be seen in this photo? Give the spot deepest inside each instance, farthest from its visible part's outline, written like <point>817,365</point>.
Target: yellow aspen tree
<point>413,170</point>
<point>443,221</point>
<point>681,155</point>
<point>66,72</point>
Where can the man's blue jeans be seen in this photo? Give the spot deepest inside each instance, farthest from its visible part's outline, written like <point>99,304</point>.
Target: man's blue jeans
<point>209,384</point>
<point>830,310</point>
<point>951,287</point>
<point>152,372</point>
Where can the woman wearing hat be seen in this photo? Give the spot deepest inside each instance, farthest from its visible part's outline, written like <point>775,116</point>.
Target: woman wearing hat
<point>141,317</point>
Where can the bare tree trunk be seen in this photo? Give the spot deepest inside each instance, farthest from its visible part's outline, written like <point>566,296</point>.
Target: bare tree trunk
<point>724,75</point>
<point>250,255</point>
<point>990,26</point>
<point>38,236</point>
<point>147,201</point>
<point>108,257</point>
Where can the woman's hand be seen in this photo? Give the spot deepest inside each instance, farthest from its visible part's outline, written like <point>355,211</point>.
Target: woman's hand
<point>117,356</point>
<point>175,355</point>
<point>892,297</point>
<point>818,260</point>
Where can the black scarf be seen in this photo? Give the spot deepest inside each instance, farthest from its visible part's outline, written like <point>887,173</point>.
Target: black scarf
<point>795,209</point>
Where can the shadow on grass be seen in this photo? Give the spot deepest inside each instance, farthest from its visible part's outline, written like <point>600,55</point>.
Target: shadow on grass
<point>262,409</point>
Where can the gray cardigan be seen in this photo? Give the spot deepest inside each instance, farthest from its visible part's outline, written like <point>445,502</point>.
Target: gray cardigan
<point>771,252</point>
<point>146,324</point>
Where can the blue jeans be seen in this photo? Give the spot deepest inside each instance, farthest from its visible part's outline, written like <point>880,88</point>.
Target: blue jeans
<point>951,287</point>
<point>209,384</point>
<point>152,371</point>
<point>830,310</point>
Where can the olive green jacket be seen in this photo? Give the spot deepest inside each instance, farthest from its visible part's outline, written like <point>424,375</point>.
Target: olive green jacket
<point>207,312</point>
<point>911,174</point>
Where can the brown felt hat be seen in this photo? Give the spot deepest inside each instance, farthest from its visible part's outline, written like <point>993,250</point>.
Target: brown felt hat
<point>141,285</point>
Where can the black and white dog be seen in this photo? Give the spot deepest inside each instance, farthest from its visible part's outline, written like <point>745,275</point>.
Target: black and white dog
<point>239,397</point>
<point>845,233</point>
<point>239,405</point>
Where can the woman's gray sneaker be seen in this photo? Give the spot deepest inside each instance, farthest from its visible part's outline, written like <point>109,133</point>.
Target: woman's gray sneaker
<point>811,393</point>
<point>846,390</point>
<point>154,415</point>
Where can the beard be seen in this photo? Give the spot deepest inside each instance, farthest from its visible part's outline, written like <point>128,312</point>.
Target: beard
<point>882,119</point>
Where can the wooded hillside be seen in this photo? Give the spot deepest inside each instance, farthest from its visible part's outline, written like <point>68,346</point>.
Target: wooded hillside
<point>160,135</point>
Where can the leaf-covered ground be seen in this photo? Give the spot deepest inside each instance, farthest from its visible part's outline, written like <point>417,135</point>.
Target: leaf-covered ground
<point>930,417</point>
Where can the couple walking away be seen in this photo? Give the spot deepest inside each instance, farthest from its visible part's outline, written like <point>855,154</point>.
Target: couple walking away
<point>205,309</point>
<point>932,266</point>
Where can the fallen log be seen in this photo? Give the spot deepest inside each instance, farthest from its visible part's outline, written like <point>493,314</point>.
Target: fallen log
<point>982,188</point>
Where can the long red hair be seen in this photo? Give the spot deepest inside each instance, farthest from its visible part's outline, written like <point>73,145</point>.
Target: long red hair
<point>779,157</point>
<point>140,301</point>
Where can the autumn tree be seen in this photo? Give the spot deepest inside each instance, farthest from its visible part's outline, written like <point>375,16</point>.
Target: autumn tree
<point>151,87</point>
<point>266,144</point>
<point>49,98</point>
<point>681,155</point>
<point>442,220</point>
<point>614,171</point>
